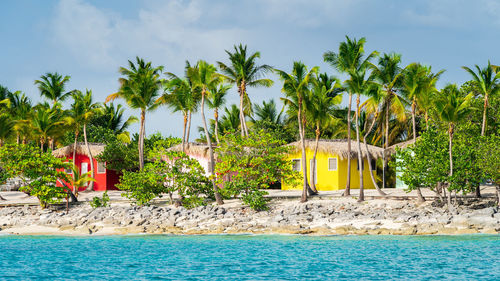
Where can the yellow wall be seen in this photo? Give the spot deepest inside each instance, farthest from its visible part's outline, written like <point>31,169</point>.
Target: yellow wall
<point>331,180</point>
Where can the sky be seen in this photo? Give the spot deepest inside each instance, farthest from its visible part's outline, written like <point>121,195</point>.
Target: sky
<point>90,39</point>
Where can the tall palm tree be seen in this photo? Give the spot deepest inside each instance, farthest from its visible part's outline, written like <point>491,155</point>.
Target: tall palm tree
<point>488,80</point>
<point>244,72</point>
<point>389,75</point>
<point>349,59</point>
<point>52,86</point>
<point>452,107</point>
<point>75,119</point>
<point>320,105</point>
<point>6,127</point>
<point>140,89</point>
<point>89,109</point>
<point>215,101</point>
<point>359,84</point>
<point>204,77</point>
<point>297,85</point>
<point>230,121</point>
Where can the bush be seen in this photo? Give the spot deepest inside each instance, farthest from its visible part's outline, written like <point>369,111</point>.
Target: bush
<point>256,200</point>
<point>38,171</point>
<point>100,202</point>
<point>247,164</point>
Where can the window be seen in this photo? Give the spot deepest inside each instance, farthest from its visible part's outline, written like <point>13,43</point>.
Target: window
<point>101,168</point>
<point>332,164</point>
<point>296,165</point>
<point>374,164</point>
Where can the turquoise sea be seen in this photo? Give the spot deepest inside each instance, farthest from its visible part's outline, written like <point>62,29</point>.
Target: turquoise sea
<point>246,257</point>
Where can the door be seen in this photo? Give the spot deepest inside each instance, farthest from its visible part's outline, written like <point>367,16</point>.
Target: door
<point>313,172</point>
<point>85,169</point>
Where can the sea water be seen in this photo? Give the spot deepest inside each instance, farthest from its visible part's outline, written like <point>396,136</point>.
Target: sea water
<point>247,257</point>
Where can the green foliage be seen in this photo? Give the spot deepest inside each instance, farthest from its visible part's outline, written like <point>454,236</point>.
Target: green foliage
<point>156,145</point>
<point>119,156</point>
<point>425,163</point>
<point>179,174</point>
<point>489,157</point>
<point>247,164</point>
<point>100,202</point>
<point>38,171</point>
<point>256,200</point>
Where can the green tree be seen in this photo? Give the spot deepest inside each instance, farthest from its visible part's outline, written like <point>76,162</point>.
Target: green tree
<point>244,72</point>
<point>297,85</point>
<point>47,123</point>
<point>53,86</point>
<point>350,60</point>
<point>37,170</point>
<point>249,164</point>
<point>140,88</point>
<point>321,103</point>
<point>489,83</point>
<point>451,108</point>
<point>21,112</point>
<point>215,101</point>
<point>205,77</point>
<point>113,119</point>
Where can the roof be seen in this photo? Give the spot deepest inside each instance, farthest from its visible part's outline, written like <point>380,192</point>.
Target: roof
<point>339,147</point>
<point>192,148</point>
<point>392,149</point>
<point>81,148</point>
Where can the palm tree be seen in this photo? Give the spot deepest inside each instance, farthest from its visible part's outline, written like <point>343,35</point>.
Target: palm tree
<point>140,88</point>
<point>371,106</point>
<point>80,180</point>
<point>349,59</point>
<point>21,111</point>
<point>215,101</point>
<point>267,111</point>
<point>452,107</point>
<point>320,105</point>
<point>112,118</point>
<point>89,109</point>
<point>488,80</point>
<point>47,123</point>
<point>230,121</point>
<point>359,84</point>
<point>75,119</point>
<point>52,86</point>
<point>296,85</point>
<point>389,75</point>
<point>6,127</point>
<point>244,72</point>
<point>204,77</point>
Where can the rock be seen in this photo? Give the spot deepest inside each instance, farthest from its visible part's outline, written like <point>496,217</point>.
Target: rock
<point>483,212</point>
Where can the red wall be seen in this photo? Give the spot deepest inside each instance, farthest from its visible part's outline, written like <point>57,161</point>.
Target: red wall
<point>103,181</point>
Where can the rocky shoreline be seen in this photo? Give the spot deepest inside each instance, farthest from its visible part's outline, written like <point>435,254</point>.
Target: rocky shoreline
<point>316,217</point>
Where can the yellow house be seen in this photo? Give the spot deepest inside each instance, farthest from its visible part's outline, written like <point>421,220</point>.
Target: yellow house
<point>331,164</point>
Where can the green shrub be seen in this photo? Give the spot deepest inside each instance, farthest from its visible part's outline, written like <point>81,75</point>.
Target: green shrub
<point>100,202</point>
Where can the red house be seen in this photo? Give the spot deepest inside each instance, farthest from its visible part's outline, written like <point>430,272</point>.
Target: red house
<point>104,179</point>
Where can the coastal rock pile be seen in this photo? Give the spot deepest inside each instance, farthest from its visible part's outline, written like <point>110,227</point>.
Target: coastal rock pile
<point>319,217</point>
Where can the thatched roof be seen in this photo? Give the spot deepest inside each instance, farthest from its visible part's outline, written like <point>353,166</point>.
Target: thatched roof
<point>392,149</point>
<point>339,147</point>
<point>193,149</point>
<point>95,149</point>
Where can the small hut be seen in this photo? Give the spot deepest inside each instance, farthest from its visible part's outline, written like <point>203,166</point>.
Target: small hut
<point>105,179</point>
<point>198,151</point>
<point>330,171</point>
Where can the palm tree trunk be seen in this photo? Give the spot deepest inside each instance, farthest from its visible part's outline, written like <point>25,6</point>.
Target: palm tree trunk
<point>413,106</point>
<point>347,190</point>
<point>184,133</point>
<point>450,133</point>
<point>75,191</point>
<point>303,198</point>
<point>313,165</point>
<point>218,197</point>
<point>141,140</point>
<point>369,157</point>
<point>360,157</point>
<point>189,127</point>
<point>18,138</point>
<point>216,117</point>
<point>91,185</point>
<point>483,127</point>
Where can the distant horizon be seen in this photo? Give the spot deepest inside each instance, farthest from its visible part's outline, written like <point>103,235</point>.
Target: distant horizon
<point>90,40</point>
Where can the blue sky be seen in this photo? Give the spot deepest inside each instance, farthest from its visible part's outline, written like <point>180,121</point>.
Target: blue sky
<point>90,39</point>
